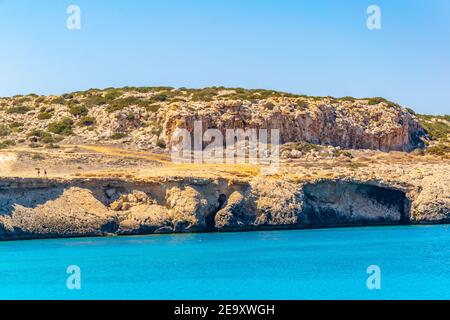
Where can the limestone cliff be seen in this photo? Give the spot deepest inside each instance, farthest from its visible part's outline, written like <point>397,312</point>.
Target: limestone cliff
<point>36,208</point>
<point>146,117</point>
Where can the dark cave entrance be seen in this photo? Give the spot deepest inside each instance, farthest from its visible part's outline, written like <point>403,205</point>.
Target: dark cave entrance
<point>210,219</point>
<point>332,203</point>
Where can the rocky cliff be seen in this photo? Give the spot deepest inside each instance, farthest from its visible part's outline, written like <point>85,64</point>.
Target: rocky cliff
<point>93,163</point>
<point>41,208</point>
<point>147,117</point>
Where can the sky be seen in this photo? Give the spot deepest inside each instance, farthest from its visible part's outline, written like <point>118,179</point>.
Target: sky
<point>320,47</point>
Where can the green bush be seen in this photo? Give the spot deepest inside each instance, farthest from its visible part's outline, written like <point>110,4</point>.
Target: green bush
<point>160,97</point>
<point>87,122</point>
<point>4,131</point>
<point>18,110</point>
<point>15,124</point>
<point>44,137</point>
<point>375,101</point>
<point>437,129</point>
<point>118,136</point>
<point>439,150</point>
<point>78,110</point>
<point>378,100</point>
<point>6,144</point>
<point>161,143</point>
<point>206,94</point>
<point>21,100</point>
<point>58,100</point>
<point>39,100</point>
<point>45,115</point>
<point>153,107</point>
<point>63,127</point>
<point>351,99</point>
<point>122,103</point>
<point>68,96</point>
<point>152,89</point>
<point>113,94</point>
<point>95,100</point>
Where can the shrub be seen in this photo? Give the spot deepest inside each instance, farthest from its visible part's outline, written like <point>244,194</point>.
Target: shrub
<point>45,115</point>
<point>87,122</point>
<point>157,131</point>
<point>375,101</point>
<point>68,96</point>
<point>118,136</point>
<point>18,110</point>
<point>131,116</point>
<point>378,100</point>
<point>4,131</point>
<point>113,94</point>
<point>122,103</point>
<point>21,100</point>
<point>207,94</point>
<point>95,100</point>
<point>161,143</point>
<point>58,100</point>
<point>16,126</point>
<point>78,110</point>
<point>152,89</point>
<point>6,144</point>
<point>49,139</point>
<point>63,127</point>
<point>44,137</point>
<point>437,129</point>
<point>152,107</point>
<point>411,111</point>
<point>351,99</point>
<point>39,100</point>
<point>160,97</point>
<point>438,150</point>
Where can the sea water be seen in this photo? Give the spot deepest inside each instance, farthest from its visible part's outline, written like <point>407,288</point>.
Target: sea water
<point>414,263</point>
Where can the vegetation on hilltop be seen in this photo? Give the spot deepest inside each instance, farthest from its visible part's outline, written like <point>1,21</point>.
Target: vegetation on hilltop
<point>62,115</point>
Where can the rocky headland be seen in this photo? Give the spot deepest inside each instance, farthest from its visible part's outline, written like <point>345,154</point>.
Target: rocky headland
<point>95,163</point>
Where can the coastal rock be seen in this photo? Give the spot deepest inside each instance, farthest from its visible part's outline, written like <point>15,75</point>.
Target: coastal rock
<point>144,219</point>
<point>235,213</point>
<point>51,212</point>
<point>187,208</point>
<point>45,208</point>
<point>277,203</point>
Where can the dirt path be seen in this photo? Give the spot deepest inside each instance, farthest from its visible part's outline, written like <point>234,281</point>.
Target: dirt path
<point>114,151</point>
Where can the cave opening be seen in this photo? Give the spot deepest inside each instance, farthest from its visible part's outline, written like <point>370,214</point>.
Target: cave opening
<point>333,203</point>
<point>210,219</point>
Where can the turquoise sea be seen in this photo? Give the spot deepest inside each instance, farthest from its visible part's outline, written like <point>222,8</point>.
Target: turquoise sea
<point>306,264</point>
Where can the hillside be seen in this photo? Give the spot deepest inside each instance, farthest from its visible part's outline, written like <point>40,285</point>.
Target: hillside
<point>144,118</point>
<point>95,163</point>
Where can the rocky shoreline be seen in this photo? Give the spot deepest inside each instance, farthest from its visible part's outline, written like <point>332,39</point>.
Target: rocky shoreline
<point>54,208</point>
<point>343,162</point>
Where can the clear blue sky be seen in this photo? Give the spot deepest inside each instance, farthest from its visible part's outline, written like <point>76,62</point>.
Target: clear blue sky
<point>313,47</point>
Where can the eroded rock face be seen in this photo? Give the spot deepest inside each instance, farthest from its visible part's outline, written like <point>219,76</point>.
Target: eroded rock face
<point>343,203</point>
<point>432,204</point>
<point>31,209</point>
<point>188,208</point>
<point>348,125</point>
<point>53,212</point>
